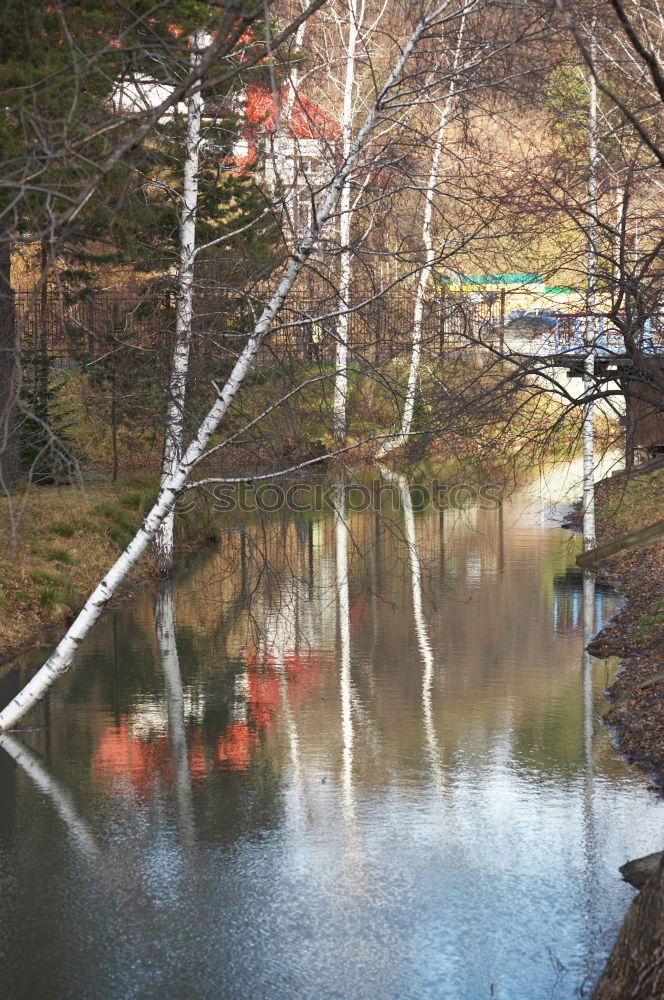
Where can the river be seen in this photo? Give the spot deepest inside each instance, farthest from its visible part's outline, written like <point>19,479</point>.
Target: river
<point>366,764</point>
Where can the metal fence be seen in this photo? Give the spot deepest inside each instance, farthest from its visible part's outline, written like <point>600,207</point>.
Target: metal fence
<point>115,324</point>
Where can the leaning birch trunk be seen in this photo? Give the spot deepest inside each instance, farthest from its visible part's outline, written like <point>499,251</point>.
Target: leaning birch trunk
<point>345,217</point>
<point>397,440</point>
<point>169,492</point>
<point>173,437</point>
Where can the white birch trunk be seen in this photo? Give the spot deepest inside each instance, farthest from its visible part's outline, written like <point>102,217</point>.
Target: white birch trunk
<point>588,431</point>
<point>416,351</point>
<point>61,658</point>
<point>283,129</point>
<point>173,437</point>
<point>345,219</point>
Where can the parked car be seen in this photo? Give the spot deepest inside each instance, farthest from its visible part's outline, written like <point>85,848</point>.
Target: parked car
<point>532,321</point>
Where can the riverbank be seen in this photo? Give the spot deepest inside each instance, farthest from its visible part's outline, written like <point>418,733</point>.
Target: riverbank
<point>636,635</point>
<point>56,542</point>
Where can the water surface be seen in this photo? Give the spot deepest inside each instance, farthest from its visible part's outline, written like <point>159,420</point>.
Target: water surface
<point>373,770</point>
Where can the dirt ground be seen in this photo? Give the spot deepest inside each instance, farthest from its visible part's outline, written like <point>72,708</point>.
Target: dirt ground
<point>636,635</point>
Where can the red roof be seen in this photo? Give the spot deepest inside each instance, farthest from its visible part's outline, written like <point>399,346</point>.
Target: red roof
<point>306,120</point>
<point>262,109</point>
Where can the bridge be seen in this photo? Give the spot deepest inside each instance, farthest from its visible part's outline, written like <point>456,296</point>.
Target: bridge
<point>564,344</point>
<point>631,393</point>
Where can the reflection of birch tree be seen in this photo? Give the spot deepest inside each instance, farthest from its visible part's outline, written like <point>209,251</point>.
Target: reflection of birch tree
<point>281,633</point>
<point>50,787</point>
<point>165,629</point>
<point>589,827</point>
<point>421,629</point>
<point>341,533</point>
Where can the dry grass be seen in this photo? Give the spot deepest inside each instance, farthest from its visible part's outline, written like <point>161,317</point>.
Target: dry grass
<point>63,539</point>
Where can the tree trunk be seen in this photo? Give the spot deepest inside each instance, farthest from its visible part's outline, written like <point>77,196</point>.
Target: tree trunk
<point>635,969</point>
<point>292,200</point>
<point>427,239</point>
<point>42,360</point>
<point>345,217</point>
<point>591,298</point>
<point>9,441</point>
<point>416,350</point>
<point>173,438</point>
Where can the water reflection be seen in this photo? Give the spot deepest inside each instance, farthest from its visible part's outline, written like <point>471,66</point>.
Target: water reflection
<point>421,629</point>
<point>60,796</point>
<point>341,536</point>
<point>571,602</point>
<point>279,635</point>
<point>589,823</point>
<point>338,679</point>
<point>166,642</point>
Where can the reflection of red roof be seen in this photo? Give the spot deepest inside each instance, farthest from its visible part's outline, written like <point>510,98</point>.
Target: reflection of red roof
<point>140,761</point>
<point>305,121</point>
<point>126,758</point>
<point>234,746</point>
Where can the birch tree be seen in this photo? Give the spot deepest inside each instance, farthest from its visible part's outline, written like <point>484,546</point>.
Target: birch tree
<point>349,54</point>
<point>430,252</point>
<point>356,12</point>
<point>174,426</point>
<point>591,296</point>
<point>291,202</point>
<point>431,17</point>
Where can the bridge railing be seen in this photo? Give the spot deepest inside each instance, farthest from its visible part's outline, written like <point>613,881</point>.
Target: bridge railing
<point>567,336</point>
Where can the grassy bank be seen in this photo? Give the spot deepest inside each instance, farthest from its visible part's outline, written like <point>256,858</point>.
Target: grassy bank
<point>58,539</point>
<point>637,633</point>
